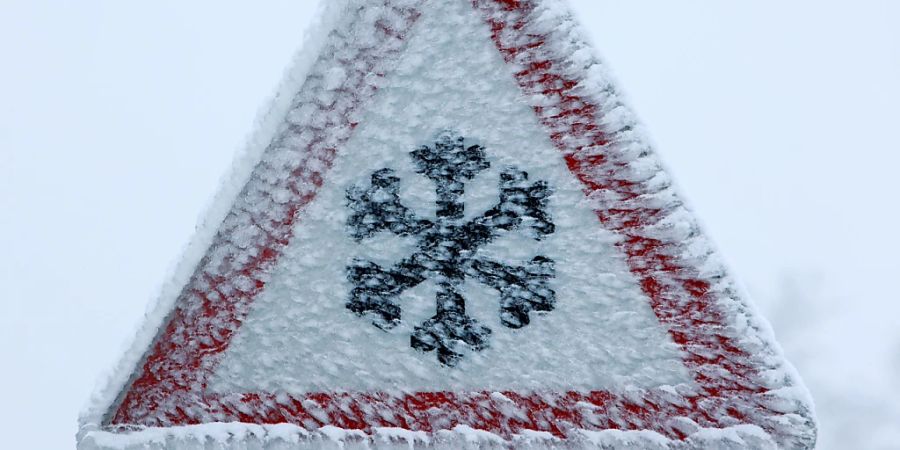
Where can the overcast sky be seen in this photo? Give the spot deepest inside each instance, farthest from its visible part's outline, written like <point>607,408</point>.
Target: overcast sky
<point>779,121</point>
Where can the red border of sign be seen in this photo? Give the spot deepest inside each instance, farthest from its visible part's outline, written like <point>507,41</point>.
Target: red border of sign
<point>169,388</point>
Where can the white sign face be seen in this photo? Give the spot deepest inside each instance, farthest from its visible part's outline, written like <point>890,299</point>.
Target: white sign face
<point>601,334</point>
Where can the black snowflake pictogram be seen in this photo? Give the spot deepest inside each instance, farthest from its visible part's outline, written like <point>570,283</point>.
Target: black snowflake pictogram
<point>447,247</point>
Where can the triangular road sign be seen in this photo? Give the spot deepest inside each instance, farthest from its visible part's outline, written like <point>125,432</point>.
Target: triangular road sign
<point>454,223</point>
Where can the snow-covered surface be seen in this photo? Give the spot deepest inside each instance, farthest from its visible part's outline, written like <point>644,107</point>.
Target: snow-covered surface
<point>602,334</point>
<point>412,114</point>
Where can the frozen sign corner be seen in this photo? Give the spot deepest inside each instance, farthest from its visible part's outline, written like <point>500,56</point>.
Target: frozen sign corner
<point>452,235</point>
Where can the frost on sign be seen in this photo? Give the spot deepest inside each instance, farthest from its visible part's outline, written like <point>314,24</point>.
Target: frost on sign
<point>447,247</point>
<point>560,285</point>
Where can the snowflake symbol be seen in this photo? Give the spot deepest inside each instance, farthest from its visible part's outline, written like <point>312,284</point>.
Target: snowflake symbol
<point>447,247</point>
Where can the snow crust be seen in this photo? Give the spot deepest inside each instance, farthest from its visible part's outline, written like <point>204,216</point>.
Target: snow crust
<point>284,436</point>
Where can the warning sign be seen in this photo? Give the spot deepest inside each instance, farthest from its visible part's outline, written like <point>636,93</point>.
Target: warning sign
<point>457,223</point>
